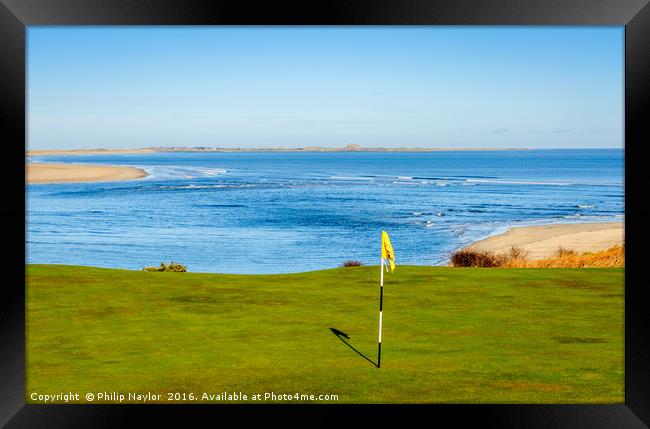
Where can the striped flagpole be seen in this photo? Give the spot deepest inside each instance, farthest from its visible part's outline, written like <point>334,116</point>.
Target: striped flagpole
<point>381,301</point>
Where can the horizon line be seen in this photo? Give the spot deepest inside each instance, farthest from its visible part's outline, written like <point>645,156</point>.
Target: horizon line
<point>348,148</point>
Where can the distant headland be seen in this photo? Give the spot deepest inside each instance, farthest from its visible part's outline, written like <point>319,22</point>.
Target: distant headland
<point>348,148</point>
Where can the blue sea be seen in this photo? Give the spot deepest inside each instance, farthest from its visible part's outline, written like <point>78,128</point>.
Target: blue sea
<point>270,212</point>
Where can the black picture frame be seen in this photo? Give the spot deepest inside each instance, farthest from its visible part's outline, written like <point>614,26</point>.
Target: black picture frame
<point>16,15</point>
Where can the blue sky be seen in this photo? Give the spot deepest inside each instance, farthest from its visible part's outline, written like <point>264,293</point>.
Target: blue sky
<point>128,87</point>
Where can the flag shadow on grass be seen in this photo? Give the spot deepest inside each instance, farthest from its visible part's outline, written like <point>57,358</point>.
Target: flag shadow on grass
<point>340,335</point>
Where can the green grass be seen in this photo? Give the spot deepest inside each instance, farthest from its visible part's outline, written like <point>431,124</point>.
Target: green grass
<point>450,335</point>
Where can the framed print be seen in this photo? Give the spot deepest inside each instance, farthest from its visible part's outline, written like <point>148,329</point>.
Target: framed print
<point>348,209</point>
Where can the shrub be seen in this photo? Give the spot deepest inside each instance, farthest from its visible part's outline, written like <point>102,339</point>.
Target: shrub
<point>517,253</point>
<point>515,258</point>
<point>161,268</point>
<point>178,268</point>
<point>475,258</point>
<point>352,264</point>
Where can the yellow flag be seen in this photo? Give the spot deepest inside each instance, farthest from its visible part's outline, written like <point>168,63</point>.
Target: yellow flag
<point>387,250</point>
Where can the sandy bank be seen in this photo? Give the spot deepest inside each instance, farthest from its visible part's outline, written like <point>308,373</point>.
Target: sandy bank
<point>544,240</point>
<point>68,173</point>
<point>348,148</point>
<point>88,152</point>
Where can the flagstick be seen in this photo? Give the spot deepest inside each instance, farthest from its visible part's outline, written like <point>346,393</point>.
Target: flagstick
<point>381,301</point>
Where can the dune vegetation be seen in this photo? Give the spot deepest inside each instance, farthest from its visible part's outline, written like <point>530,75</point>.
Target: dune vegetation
<point>563,258</point>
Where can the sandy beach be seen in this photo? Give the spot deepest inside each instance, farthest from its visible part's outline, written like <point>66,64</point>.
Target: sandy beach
<point>70,173</point>
<point>544,240</point>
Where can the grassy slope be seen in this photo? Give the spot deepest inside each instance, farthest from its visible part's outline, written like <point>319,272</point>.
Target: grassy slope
<point>450,334</point>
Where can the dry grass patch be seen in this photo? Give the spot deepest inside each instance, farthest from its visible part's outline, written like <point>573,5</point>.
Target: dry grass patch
<point>518,258</point>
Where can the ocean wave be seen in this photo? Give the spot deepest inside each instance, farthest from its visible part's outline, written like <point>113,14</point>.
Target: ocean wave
<point>213,186</point>
<point>351,178</point>
<point>166,172</point>
<point>399,182</point>
<point>150,173</point>
<point>516,182</point>
<point>200,186</point>
<point>428,178</point>
<point>473,176</point>
<point>212,171</point>
<point>210,206</point>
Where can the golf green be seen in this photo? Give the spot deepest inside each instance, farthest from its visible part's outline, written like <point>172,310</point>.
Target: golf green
<point>450,335</point>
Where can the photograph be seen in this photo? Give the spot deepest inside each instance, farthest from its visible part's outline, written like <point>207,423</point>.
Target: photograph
<point>259,214</point>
